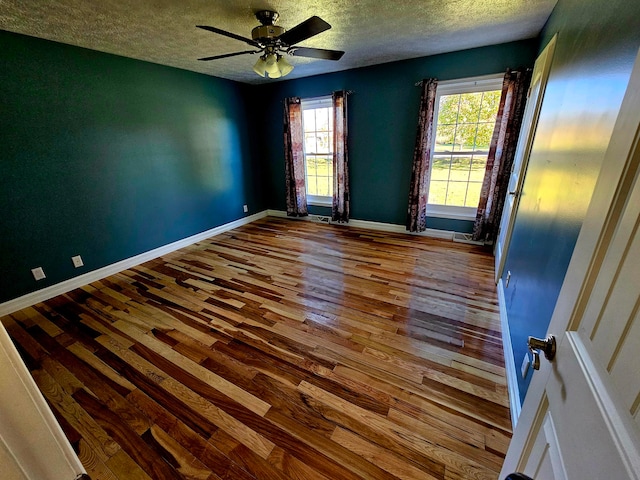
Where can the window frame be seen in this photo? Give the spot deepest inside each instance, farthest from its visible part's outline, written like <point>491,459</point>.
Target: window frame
<point>483,83</point>
<point>325,101</point>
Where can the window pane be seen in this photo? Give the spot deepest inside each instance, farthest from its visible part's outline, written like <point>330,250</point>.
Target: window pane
<point>465,136</point>
<point>330,176</point>
<point>444,137</point>
<point>440,168</point>
<point>312,174</point>
<point>323,186</point>
<point>490,103</point>
<point>322,119</point>
<point>456,193</point>
<point>469,107</point>
<point>309,120</point>
<point>324,166</point>
<point>483,137</point>
<point>460,169</point>
<point>477,168</point>
<point>310,143</point>
<point>437,192</point>
<point>322,142</point>
<point>448,109</point>
<point>473,194</point>
<point>312,185</point>
<point>312,166</point>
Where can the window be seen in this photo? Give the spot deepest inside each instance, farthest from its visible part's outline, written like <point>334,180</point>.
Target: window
<point>465,114</point>
<point>317,125</point>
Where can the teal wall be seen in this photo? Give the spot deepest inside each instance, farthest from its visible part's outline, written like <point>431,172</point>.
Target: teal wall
<point>383,117</point>
<point>109,157</point>
<point>597,44</point>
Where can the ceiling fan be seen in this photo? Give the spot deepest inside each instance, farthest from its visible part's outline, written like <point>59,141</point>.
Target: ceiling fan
<point>272,41</point>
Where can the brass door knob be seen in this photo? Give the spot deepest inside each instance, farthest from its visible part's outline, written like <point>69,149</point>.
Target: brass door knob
<point>547,346</point>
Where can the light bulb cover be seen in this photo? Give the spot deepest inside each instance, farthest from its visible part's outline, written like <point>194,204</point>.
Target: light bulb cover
<point>285,67</point>
<point>260,67</point>
<point>271,65</point>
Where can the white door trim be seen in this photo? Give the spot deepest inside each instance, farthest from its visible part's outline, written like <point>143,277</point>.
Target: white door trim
<point>28,429</point>
<point>527,136</point>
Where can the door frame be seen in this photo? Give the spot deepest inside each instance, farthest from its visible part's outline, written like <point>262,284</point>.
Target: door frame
<point>620,168</point>
<point>527,136</point>
<point>33,442</point>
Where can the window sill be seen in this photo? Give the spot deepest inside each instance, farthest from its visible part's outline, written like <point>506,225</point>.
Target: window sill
<point>319,201</point>
<point>454,213</point>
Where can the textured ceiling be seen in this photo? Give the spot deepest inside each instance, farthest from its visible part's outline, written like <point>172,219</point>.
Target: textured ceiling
<point>369,31</point>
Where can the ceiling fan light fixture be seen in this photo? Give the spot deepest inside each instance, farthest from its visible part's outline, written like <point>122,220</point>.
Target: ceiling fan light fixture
<point>285,67</point>
<point>260,67</point>
<point>271,64</point>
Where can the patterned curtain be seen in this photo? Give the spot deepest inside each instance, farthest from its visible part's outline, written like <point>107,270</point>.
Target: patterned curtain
<point>419,190</point>
<point>340,209</point>
<point>294,159</point>
<point>501,154</point>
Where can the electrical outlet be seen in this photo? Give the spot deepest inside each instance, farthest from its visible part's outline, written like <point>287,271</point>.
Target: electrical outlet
<point>525,365</point>
<point>38,273</point>
<point>77,261</point>
<point>245,208</point>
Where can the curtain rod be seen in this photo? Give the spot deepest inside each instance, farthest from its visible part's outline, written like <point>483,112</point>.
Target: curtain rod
<point>509,69</point>
<point>348,92</point>
<point>421,82</point>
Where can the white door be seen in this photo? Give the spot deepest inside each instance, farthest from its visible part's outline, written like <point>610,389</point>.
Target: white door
<point>581,416</point>
<point>535,95</point>
<point>32,444</point>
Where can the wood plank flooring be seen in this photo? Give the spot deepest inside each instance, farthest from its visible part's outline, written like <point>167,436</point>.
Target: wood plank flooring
<point>280,350</point>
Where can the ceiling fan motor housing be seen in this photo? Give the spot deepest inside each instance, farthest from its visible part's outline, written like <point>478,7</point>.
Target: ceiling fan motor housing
<point>266,32</point>
<point>272,41</point>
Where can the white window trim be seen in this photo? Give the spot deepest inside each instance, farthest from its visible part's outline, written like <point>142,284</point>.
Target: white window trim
<point>452,212</point>
<point>320,200</point>
<point>483,83</point>
<point>317,102</point>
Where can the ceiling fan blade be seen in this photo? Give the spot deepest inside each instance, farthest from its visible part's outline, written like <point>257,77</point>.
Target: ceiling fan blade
<point>216,57</point>
<point>230,35</point>
<point>316,53</point>
<point>307,29</point>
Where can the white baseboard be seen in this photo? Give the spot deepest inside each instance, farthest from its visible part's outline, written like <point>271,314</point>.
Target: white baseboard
<point>385,227</point>
<point>86,278</point>
<point>509,362</point>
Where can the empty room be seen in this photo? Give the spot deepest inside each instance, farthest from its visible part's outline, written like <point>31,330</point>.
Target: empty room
<point>319,240</point>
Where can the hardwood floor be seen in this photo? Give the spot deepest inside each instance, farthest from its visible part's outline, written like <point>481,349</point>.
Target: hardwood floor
<point>280,350</point>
